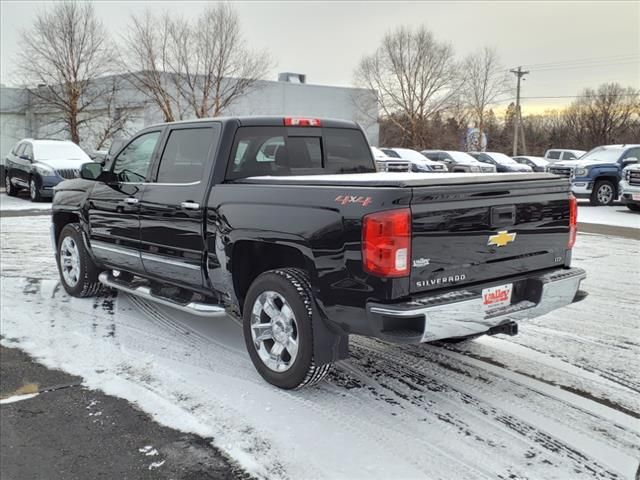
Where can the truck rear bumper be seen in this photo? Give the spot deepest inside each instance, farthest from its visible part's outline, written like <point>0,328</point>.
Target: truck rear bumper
<point>461,313</point>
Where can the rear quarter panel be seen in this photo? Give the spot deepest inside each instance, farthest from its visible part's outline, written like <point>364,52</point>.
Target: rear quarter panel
<point>323,223</point>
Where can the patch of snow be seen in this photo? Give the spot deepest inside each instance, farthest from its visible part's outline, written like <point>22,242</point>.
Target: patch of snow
<point>156,465</point>
<point>18,398</point>
<point>8,203</point>
<point>617,215</point>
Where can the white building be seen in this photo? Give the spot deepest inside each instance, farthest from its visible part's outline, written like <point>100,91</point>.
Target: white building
<point>290,95</point>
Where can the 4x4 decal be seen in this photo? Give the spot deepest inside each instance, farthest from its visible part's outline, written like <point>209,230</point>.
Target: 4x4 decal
<point>346,199</point>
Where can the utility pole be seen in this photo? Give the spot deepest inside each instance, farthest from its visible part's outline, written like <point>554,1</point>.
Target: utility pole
<point>519,73</point>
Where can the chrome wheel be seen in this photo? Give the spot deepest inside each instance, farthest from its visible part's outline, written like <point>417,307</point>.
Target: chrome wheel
<point>33,190</point>
<point>605,193</point>
<point>7,182</point>
<point>70,261</point>
<point>274,331</point>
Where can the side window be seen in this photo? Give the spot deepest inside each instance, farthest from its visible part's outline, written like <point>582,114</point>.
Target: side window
<point>20,149</point>
<point>185,155</point>
<point>568,156</point>
<point>269,149</point>
<point>28,151</point>
<point>132,164</point>
<point>553,154</point>
<point>16,147</point>
<point>632,153</point>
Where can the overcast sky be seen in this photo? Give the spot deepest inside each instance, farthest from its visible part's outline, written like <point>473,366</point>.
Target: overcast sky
<point>587,42</point>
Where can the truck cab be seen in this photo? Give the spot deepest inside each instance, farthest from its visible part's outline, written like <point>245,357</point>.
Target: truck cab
<point>597,174</point>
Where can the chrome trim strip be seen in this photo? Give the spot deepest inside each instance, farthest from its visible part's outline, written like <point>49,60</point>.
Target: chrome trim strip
<point>160,259</point>
<point>190,184</point>
<point>109,248</point>
<point>195,308</point>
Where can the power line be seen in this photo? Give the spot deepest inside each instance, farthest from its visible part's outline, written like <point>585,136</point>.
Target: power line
<point>570,96</point>
<point>592,65</point>
<point>581,60</point>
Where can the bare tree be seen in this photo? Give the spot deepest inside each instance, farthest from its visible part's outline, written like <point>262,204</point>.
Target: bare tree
<point>146,58</point>
<point>486,82</point>
<point>414,76</point>
<point>66,50</point>
<point>601,116</point>
<point>113,119</point>
<point>195,68</point>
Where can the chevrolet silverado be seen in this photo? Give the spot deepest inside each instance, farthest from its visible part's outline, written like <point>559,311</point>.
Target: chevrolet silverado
<point>285,224</point>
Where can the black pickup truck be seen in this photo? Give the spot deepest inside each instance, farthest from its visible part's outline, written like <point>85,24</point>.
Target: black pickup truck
<point>284,223</point>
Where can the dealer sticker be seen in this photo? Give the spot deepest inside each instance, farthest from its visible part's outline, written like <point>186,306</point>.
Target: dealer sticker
<point>495,297</point>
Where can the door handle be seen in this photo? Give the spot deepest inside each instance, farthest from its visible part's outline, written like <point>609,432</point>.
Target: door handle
<point>131,201</point>
<point>190,205</point>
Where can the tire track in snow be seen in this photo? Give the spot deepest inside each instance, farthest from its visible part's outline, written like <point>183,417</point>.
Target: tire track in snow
<point>401,367</point>
<point>519,358</point>
<point>364,427</point>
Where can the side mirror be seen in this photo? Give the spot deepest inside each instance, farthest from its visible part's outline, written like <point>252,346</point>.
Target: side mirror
<point>90,171</point>
<point>629,161</point>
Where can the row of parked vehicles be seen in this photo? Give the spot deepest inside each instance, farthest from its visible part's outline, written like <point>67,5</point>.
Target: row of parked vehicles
<point>602,175</point>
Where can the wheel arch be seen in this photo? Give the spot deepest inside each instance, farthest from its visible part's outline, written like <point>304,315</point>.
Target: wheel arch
<point>610,177</point>
<point>60,219</point>
<point>252,257</point>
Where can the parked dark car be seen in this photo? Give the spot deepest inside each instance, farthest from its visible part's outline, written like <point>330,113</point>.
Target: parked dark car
<point>597,174</point>
<point>311,245</point>
<point>537,164</point>
<point>502,162</point>
<point>39,165</point>
<point>458,162</point>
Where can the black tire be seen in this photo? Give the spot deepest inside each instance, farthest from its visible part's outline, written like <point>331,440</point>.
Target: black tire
<point>34,189</point>
<point>87,284</point>
<point>293,285</point>
<point>11,190</point>
<point>634,207</point>
<point>598,196</point>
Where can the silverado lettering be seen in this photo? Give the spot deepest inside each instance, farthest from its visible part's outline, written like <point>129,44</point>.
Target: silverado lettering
<point>198,216</point>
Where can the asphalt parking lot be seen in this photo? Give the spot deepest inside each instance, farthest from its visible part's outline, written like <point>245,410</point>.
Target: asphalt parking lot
<point>71,432</point>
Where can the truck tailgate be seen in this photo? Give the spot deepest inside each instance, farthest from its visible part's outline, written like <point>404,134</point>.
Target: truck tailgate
<point>469,233</point>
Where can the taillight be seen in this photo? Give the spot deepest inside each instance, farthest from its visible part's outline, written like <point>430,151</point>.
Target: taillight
<point>302,122</point>
<point>386,243</point>
<point>573,221</point>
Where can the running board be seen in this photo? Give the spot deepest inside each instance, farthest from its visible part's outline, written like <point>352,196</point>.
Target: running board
<point>143,291</point>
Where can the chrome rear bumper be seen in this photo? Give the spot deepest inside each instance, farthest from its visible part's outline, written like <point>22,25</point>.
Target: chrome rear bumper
<point>461,313</point>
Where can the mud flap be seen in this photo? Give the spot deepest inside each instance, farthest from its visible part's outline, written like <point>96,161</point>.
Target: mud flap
<point>328,346</point>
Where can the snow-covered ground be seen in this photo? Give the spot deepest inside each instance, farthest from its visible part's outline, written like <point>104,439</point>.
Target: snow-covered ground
<point>561,400</point>
<point>22,202</point>
<point>616,215</point>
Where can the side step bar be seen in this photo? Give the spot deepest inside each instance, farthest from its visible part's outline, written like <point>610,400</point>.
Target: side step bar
<point>143,291</point>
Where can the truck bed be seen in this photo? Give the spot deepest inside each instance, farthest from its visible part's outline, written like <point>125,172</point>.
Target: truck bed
<point>390,179</point>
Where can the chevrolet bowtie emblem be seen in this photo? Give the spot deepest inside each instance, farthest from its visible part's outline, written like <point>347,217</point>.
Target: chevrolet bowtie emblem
<point>501,238</point>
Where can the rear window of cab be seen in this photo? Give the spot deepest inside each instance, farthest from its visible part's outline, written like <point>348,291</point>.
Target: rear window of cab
<point>282,151</point>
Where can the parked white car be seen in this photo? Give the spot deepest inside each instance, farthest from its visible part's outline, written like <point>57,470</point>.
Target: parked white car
<point>630,187</point>
<point>385,163</point>
<point>419,163</point>
<point>557,154</point>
